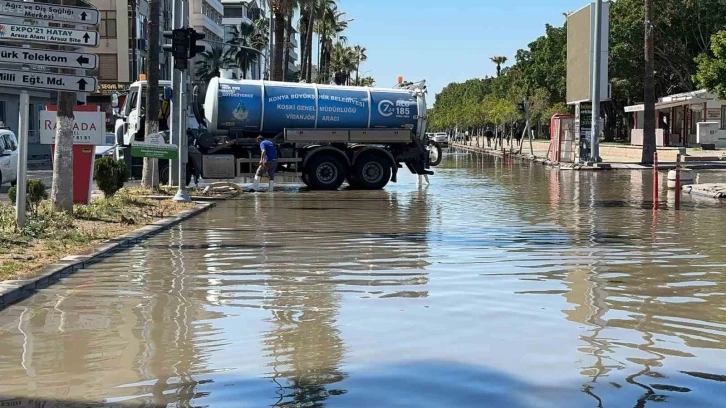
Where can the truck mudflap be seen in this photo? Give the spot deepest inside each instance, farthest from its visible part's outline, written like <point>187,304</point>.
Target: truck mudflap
<point>416,158</point>
<point>195,158</point>
<point>418,170</point>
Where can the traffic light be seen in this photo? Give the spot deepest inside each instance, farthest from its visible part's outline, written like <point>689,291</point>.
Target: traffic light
<point>178,47</point>
<point>194,36</point>
<point>520,106</point>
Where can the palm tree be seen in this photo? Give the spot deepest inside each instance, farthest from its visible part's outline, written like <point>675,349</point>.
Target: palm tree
<point>287,44</point>
<point>310,12</point>
<point>261,39</point>
<point>211,63</point>
<point>499,60</point>
<point>342,62</point>
<point>329,27</point>
<point>241,50</point>
<point>280,10</point>
<point>367,81</point>
<point>247,38</point>
<point>149,173</point>
<point>360,53</point>
<point>304,26</point>
<point>61,196</point>
<point>649,88</point>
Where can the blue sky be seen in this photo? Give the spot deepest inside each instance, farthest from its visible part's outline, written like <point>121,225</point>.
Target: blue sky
<point>445,41</point>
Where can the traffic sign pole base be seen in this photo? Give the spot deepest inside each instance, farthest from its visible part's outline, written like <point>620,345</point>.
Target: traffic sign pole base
<point>182,195</point>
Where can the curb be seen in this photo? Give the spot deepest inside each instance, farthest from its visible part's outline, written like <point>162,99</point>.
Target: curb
<point>695,165</point>
<point>498,153</point>
<point>14,290</point>
<point>222,197</point>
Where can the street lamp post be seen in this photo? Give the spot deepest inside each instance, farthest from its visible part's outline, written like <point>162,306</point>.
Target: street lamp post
<point>595,90</point>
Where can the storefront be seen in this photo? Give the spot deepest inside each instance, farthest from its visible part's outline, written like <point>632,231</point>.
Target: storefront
<point>677,118</point>
<point>102,98</point>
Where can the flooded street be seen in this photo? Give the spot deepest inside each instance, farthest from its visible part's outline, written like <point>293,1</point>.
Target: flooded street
<point>497,285</point>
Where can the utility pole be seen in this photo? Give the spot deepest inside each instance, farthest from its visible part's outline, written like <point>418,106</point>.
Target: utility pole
<point>271,34</point>
<point>649,142</point>
<point>182,48</point>
<point>176,103</point>
<point>595,89</point>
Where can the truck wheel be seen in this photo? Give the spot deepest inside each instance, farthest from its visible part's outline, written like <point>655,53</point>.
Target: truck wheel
<point>166,171</point>
<point>325,172</point>
<point>372,172</point>
<point>164,174</point>
<point>435,154</point>
<point>305,179</point>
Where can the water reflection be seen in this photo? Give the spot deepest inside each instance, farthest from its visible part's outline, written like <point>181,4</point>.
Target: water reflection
<point>501,282</point>
<point>325,247</point>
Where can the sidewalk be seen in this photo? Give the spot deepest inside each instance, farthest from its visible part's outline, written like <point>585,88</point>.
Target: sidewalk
<point>614,156</point>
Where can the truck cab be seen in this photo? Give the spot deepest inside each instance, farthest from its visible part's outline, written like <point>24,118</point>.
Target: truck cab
<point>130,118</point>
<point>130,127</point>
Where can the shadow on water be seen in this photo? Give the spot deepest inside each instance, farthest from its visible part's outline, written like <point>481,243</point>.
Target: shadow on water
<point>411,383</point>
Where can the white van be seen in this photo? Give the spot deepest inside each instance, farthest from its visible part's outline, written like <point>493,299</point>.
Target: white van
<point>8,157</point>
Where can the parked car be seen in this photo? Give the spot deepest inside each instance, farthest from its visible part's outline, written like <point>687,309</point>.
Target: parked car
<point>8,157</point>
<point>439,138</point>
<point>108,149</point>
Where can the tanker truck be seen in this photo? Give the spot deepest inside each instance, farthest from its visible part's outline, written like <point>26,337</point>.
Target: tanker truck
<point>324,134</point>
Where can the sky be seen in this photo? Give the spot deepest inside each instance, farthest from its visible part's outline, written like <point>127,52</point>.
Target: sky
<point>445,41</point>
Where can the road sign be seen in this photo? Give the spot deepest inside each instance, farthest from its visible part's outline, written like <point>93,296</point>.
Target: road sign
<point>58,82</point>
<point>45,35</point>
<point>155,151</point>
<point>154,146</point>
<point>52,12</point>
<point>15,55</point>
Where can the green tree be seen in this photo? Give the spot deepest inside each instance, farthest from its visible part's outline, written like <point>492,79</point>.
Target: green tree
<point>682,30</point>
<point>247,43</point>
<point>212,63</point>
<point>330,26</point>
<point>711,73</point>
<point>281,10</point>
<point>366,81</point>
<point>342,63</point>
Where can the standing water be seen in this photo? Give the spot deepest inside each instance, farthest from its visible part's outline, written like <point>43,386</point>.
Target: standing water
<point>497,285</point>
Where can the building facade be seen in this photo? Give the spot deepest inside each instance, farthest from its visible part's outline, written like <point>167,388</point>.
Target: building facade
<point>236,13</point>
<point>292,64</point>
<point>205,16</point>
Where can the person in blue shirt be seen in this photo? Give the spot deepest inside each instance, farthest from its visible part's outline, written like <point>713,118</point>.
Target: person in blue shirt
<point>268,163</point>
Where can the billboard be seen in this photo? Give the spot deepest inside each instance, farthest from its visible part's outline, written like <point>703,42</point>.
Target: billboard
<point>88,127</point>
<point>580,53</point>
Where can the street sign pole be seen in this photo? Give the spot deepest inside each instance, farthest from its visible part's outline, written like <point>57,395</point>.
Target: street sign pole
<point>182,194</point>
<point>20,200</point>
<point>28,12</point>
<point>176,106</point>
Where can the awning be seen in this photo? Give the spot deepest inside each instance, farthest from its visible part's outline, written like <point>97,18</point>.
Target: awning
<point>689,98</point>
<point>665,105</point>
